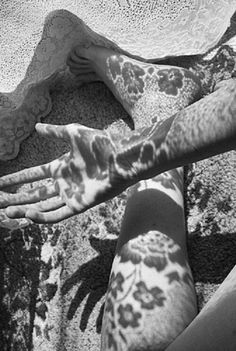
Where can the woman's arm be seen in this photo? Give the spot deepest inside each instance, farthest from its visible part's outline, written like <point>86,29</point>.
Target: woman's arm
<point>101,164</point>
<point>204,129</point>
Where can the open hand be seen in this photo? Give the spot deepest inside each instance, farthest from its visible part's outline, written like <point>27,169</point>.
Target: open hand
<point>80,179</point>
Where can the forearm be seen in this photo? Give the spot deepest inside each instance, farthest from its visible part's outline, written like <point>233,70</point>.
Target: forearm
<point>202,130</point>
<point>101,165</point>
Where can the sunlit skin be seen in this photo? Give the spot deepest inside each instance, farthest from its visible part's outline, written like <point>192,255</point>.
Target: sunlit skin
<point>168,89</point>
<point>145,90</point>
<point>203,129</point>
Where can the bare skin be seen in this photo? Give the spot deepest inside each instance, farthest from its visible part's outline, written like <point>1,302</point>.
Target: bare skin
<point>151,296</point>
<point>142,293</point>
<point>136,85</point>
<point>210,71</point>
<point>204,129</point>
<point>146,286</point>
<point>214,327</point>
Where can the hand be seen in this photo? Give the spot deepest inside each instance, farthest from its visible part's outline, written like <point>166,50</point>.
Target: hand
<point>80,179</point>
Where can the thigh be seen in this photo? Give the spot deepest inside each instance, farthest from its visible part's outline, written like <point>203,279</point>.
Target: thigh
<point>214,327</point>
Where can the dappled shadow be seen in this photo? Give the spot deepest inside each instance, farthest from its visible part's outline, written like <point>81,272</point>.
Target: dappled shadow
<point>147,210</point>
<point>69,106</point>
<point>19,273</point>
<point>211,257</point>
<point>92,278</point>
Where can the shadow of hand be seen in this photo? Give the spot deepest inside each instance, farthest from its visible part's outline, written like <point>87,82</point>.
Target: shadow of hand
<point>93,277</point>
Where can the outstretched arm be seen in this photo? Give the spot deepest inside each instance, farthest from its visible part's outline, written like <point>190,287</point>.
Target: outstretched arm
<point>101,165</point>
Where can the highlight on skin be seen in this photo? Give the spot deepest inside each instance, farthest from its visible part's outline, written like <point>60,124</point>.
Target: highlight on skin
<point>203,129</point>
<point>151,297</point>
<point>145,90</point>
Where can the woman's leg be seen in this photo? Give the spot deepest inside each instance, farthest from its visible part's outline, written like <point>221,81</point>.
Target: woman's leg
<point>145,90</point>
<point>151,297</point>
<point>214,329</point>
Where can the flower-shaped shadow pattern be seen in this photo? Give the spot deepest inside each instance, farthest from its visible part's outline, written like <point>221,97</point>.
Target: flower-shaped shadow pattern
<point>149,298</point>
<point>154,250</point>
<point>170,81</point>
<point>128,317</point>
<point>132,75</point>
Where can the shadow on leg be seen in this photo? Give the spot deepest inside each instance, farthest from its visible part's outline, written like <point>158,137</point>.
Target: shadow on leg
<point>151,297</point>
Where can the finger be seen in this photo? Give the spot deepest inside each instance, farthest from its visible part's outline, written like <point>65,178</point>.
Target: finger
<point>50,217</point>
<point>41,193</point>
<point>79,53</point>
<point>27,175</point>
<point>74,60</point>
<point>12,224</point>
<point>49,205</point>
<point>32,174</point>
<point>80,70</point>
<point>51,130</point>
